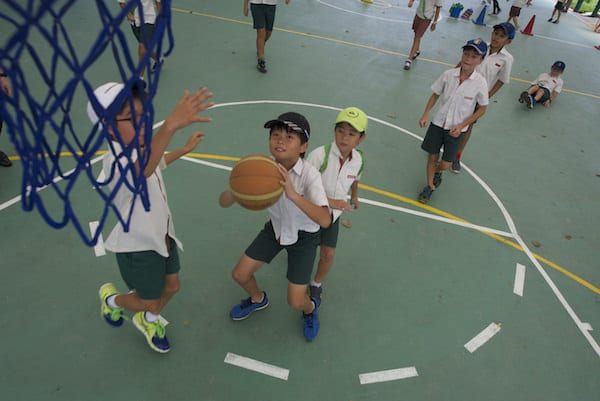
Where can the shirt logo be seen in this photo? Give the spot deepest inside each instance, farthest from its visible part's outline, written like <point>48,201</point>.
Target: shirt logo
<point>468,97</point>
<point>350,176</point>
<point>498,65</point>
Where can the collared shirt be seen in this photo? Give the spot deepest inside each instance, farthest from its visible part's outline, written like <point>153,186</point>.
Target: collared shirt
<point>147,229</point>
<point>458,100</point>
<point>496,67</point>
<point>149,12</point>
<point>286,217</point>
<point>426,8</point>
<point>553,84</point>
<point>339,176</point>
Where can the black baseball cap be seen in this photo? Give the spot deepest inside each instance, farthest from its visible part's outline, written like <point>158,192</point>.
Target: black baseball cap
<point>294,121</point>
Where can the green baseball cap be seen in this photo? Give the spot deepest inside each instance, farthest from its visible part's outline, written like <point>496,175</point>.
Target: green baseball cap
<point>355,117</point>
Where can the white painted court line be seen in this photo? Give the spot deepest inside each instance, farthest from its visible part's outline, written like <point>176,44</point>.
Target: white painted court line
<point>519,280</point>
<point>387,375</point>
<point>257,366</point>
<point>483,337</point>
<point>99,247</point>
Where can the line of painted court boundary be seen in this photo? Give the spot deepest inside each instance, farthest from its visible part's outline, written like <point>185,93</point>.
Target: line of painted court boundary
<point>362,46</point>
<point>584,327</point>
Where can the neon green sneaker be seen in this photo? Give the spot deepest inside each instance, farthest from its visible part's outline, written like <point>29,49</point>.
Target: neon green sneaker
<point>154,332</point>
<point>114,317</point>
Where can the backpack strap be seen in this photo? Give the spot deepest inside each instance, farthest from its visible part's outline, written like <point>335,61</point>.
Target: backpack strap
<point>326,160</point>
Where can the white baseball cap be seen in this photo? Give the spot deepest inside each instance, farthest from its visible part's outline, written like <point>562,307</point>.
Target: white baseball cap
<point>105,95</point>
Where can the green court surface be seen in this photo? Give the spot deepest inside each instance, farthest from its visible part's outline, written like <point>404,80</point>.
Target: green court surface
<point>412,286</point>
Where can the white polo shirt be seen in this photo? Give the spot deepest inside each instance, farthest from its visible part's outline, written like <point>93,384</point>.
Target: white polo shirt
<point>553,84</point>
<point>426,8</point>
<point>458,100</point>
<point>149,12</point>
<point>338,177</point>
<point>287,218</point>
<point>147,229</point>
<point>496,67</point>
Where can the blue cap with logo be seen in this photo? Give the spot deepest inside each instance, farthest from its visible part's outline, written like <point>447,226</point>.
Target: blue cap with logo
<point>559,65</point>
<point>508,28</point>
<point>478,45</point>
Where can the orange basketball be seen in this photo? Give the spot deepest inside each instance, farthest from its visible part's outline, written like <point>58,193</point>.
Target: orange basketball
<point>254,182</point>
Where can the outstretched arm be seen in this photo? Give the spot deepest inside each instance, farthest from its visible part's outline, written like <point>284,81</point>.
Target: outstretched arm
<point>185,113</point>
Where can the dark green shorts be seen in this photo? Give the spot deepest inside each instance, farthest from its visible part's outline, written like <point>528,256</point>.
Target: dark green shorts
<point>301,255</point>
<point>145,271</point>
<point>263,16</point>
<point>329,235</point>
<point>546,95</point>
<point>143,34</point>
<point>436,137</point>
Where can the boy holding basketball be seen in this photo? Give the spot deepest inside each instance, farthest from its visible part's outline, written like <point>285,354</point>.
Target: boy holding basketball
<point>340,165</point>
<point>294,225</point>
<point>147,253</point>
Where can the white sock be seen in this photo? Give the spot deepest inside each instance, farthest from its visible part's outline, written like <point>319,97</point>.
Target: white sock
<point>315,284</point>
<point>110,301</point>
<point>150,317</point>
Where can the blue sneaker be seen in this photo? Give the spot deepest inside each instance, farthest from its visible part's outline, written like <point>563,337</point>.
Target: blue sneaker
<point>437,180</point>
<point>311,321</point>
<point>246,307</point>
<point>315,292</point>
<point>456,167</point>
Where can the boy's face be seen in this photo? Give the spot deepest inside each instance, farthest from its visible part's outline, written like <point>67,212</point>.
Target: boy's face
<point>285,145</point>
<point>124,122</point>
<point>347,138</point>
<point>499,39</point>
<point>470,59</point>
<point>554,72</point>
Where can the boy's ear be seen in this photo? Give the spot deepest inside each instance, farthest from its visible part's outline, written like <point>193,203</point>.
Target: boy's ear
<point>362,137</point>
<point>304,147</point>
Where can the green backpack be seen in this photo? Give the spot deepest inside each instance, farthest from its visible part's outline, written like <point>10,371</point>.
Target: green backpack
<point>326,160</point>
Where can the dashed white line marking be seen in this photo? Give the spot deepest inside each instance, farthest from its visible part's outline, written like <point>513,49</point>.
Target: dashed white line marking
<point>519,280</point>
<point>257,366</point>
<point>484,336</point>
<point>387,375</point>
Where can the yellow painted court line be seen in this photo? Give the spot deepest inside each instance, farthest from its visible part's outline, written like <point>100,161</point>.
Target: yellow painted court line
<point>499,238</point>
<point>359,45</point>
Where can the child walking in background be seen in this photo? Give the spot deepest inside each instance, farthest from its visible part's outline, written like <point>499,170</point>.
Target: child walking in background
<point>340,165</point>
<point>558,9</point>
<point>294,224</point>
<point>428,12</point>
<point>515,11</point>
<point>146,254</point>
<point>495,68</point>
<point>545,88</point>
<point>263,16</point>
<point>461,89</point>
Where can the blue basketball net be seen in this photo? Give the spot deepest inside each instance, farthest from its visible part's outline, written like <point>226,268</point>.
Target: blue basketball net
<point>50,70</point>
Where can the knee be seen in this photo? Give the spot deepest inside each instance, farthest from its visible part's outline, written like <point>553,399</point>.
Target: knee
<point>172,287</point>
<point>239,276</point>
<point>327,255</point>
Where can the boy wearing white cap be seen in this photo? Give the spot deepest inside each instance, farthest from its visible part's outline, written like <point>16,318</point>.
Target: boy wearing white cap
<point>460,89</point>
<point>341,166</point>
<point>146,253</point>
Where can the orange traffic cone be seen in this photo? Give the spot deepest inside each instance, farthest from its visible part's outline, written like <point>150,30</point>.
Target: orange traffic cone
<point>529,28</point>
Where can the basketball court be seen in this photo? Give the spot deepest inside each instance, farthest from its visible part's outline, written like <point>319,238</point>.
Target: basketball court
<point>489,292</point>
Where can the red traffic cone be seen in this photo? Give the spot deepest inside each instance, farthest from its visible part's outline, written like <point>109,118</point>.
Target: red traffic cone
<point>529,28</point>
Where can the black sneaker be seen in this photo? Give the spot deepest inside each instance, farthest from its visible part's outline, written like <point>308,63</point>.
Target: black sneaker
<point>157,63</point>
<point>4,160</point>
<point>523,97</point>
<point>417,54</point>
<point>437,180</point>
<point>261,66</point>
<point>425,194</point>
